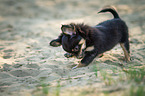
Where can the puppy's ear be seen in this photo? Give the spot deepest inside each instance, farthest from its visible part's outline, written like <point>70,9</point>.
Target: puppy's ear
<point>68,29</point>
<point>66,26</point>
<point>55,43</point>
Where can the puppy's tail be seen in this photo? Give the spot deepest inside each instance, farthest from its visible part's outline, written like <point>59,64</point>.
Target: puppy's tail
<point>110,9</point>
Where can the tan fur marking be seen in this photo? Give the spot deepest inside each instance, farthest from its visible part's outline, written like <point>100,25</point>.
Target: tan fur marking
<point>91,48</point>
<point>100,55</point>
<point>127,55</point>
<point>81,65</point>
<point>83,42</point>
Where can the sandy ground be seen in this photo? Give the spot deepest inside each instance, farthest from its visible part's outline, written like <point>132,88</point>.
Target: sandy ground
<point>27,27</point>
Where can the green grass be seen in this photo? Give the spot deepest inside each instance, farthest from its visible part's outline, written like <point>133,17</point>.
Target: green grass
<point>132,81</point>
<point>48,90</point>
<point>136,74</point>
<point>95,69</point>
<point>58,89</point>
<point>135,90</point>
<point>106,77</point>
<point>45,88</point>
<point>137,77</point>
<point>133,77</point>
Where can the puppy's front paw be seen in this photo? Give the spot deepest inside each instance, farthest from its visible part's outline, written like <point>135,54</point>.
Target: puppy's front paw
<point>79,65</point>
<point>74,67</point>
<point>68,55</point>
<point>55,43</point>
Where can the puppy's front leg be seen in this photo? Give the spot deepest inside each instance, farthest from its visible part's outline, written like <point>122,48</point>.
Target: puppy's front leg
<point>89,57</point>
<point>68,55</point>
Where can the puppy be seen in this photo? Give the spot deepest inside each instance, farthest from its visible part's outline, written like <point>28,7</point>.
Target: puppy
<point>91,42</point>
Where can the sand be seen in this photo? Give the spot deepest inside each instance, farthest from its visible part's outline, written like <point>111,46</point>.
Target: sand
<point>27,60</point>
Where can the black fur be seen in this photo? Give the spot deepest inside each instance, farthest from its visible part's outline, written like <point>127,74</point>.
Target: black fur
<point>102,37</point>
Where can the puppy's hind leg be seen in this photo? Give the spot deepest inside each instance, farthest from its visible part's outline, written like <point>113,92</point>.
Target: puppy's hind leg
<point>125,47</point>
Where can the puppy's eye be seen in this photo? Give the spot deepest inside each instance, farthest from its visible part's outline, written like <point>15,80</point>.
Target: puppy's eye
<point>76,48</point>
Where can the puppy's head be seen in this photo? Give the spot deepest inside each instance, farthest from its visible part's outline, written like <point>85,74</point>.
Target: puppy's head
<point>71,40</point>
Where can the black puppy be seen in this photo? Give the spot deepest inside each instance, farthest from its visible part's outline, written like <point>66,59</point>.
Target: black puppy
<point>93,41</point>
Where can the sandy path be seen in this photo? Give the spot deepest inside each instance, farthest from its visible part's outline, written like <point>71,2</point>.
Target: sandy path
<point>26,28</point>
